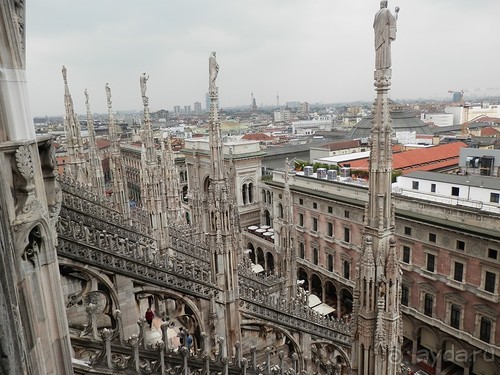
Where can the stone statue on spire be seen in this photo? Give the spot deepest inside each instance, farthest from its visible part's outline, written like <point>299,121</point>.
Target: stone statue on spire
<point>143,80</point>
<point>213,70</point>
<point>385,32</point>
<point>108,94</point>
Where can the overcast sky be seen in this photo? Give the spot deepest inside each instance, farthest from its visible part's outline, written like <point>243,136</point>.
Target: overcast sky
<point>305,50</point>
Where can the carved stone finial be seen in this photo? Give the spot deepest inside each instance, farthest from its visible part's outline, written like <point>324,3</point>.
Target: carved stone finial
<point>65,76</point>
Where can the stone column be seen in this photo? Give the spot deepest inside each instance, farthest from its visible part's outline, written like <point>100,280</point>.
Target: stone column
<point>414,348</point>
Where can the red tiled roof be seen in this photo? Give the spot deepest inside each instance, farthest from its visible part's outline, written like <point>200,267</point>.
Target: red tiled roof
<point>334,146</point>
<point>426,159</point>
<point>488,132</point>
<point>484,118</point>
<point>257,137</point>
<point>102,143</point>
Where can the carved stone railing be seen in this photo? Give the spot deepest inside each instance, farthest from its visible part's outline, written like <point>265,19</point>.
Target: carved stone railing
<point>80,198</point>
<point>82,218</point>
<point>249,279</point>
<point>294,314</point>
<point>135,259</point>
<point>135,355</point>
<point>188,247</point>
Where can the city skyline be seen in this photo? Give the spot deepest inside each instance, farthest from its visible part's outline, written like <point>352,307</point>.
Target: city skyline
<point>315,51</point>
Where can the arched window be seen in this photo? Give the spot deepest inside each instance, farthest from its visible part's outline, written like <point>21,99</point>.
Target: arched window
<point>270,262</point>
<point>244,193</point>
<point>280,211</point>
<point>250,193</point>
<point>185,194</point>
<point>267,217</point>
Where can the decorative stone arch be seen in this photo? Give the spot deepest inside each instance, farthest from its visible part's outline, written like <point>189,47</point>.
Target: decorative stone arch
<point>206,184</point>
<point>76,301</point>
<point>251,254</point>
<point>167,293</point>
<point>302,274</point>
<point>316,285</point>
<point>34,241</point>
<point>297,347</point>
<point>345,295</point>
<point>248,191</point>
<point>270,261</point>
<point>419,328</point>
<point>267,217</point>
<point>330,292</point>
<point>338,352</point>
<point>260,257</point>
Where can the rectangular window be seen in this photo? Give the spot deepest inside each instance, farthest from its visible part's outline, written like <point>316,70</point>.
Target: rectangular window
<point>460,245</point>
<point>301,201</point>
<point>315,224</point>
<point>428,302</point>
<point>455,191</point>
<point>458,272</point>
<point>346,214</point>
<point>431,262</point>
<point>414,185</point>
<point>347,269</point>
<point>347,235</point>
<point>432,237</point>
<point>433,188</point>
<point>495,198</point>
<point>405,295</point>
<point>315,205</point>
<point>406,254</point>
<point>330,209</point>
<point>455,316</point>
<point>408,231</point>
<point>492,253</point>
<point>330,262</point>
<point>302,250</point>
<point>489,281</point>
<point>301,220</point>
<point>485,330</point>
<point>330,229</point>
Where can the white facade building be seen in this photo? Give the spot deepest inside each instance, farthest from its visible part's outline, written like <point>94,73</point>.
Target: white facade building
<point>479,192</point>
<point>462,114</point>
<point>437,119</point>
<point>309,127</point>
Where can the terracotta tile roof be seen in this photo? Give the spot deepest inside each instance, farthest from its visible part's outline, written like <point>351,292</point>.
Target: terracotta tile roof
<point>257,137</point>
<point>489,132</point>
<point>334,146</point>
<point>487,119</point>
<point>425,159</point>
<point>102,143</point>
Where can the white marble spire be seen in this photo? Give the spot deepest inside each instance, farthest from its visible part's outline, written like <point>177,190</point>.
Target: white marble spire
<point>220,220</point>
<point>75,165</point>
<point>96,174</point>
<point>377,317</point>
<point>120,188</point>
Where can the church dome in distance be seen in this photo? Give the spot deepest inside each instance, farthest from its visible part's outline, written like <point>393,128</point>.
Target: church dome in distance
<point>402,121</point>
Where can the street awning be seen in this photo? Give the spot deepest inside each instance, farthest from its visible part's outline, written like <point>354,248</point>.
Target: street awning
<point>315,303</point>
<point>323,309</point>
<point>257,268</point>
